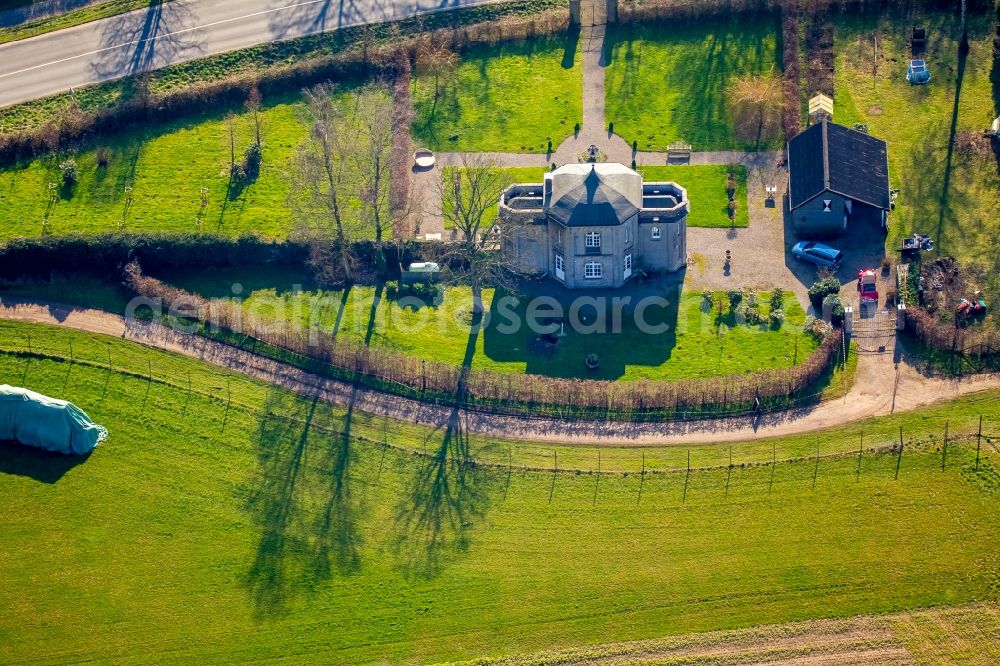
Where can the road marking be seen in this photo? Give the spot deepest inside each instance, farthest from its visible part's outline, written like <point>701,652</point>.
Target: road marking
<point>305,3</point>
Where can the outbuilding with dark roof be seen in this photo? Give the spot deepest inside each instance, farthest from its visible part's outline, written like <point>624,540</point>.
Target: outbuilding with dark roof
<point>836,174</point>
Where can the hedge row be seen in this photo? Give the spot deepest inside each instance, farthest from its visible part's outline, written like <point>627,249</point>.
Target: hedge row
<point>105,256</point>
<point>978,342</point>
<point>505,393</point>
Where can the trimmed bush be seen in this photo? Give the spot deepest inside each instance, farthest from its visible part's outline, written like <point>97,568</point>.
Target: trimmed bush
<point>821,289</point>
<point>69,172</point>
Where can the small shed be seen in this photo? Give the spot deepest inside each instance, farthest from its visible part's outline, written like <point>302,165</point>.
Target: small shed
<point>820,108</point>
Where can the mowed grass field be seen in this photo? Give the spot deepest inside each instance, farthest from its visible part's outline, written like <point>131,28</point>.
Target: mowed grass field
<point>670,82</point>
<point>201,532</point>
<point>166,167</point>
<point>510,98</point>
<point>695,342</point>
<point>951,196</point>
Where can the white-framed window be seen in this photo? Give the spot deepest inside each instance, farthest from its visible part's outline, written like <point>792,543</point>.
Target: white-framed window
<point>593,239</point>
<point>655,233</point>
<point>627,235</point>
<point>560,266</point>
<point>627,265</point>
<point>593,270</point>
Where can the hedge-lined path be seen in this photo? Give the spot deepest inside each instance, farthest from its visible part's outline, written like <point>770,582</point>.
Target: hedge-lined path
<point>871,394</point>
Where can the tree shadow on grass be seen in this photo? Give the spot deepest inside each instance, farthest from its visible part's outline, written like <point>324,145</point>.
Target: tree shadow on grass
<point>44,466</point>
<point>963,56</point>
<point>447,494</point>
<point>302,501</point>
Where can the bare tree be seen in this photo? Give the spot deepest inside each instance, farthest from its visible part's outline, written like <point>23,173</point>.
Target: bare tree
<point>756,102</point>
<point>372,160</point>
<point>253,106</point>
<point>321,183</point>
<point>469,197</point>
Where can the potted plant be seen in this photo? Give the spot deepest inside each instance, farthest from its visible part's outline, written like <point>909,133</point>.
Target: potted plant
<point>593,360</point>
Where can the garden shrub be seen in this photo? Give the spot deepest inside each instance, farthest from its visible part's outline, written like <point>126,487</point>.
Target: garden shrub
<point>69,172</point>
<point>836,306</point>
<point>735,298</point>
<point>777,298</point>
<point>777,318</point>
<point>823,288</point>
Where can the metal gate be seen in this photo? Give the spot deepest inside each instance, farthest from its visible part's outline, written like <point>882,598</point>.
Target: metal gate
<point>874,333</point>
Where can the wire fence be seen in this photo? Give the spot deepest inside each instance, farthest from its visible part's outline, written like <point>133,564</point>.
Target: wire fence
<point>960,441</point>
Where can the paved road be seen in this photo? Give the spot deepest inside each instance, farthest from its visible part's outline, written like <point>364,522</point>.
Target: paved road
<point>167,34</point>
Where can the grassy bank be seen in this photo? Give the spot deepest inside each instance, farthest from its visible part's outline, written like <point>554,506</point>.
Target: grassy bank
<point>212,530</point>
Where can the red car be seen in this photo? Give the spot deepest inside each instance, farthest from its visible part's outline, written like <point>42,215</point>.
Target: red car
<point>868,285</point>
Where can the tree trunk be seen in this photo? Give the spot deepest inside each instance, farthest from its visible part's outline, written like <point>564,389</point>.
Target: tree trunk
<point>477,297</point>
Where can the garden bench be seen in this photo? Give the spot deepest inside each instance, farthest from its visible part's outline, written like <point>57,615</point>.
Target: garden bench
<point>679,150</point>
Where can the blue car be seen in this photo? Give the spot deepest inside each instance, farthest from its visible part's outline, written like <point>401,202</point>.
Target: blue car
<point>817,253</point>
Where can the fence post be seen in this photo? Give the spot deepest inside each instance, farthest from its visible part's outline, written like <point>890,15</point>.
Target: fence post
<point>944,448</point>
<point>686,477</point>
<point>729,470</point>
<point>597,481</point>
<point>774,462</point>
<point>979,440</point>
<point>816,468</point>
<point>861,449</point>
<point>555,469</point>
<point>642,478</point>
<point>899,458</point>
<point>510,467</point>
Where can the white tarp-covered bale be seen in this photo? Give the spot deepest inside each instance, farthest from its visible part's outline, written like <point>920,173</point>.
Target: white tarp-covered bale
<point>36,420</point>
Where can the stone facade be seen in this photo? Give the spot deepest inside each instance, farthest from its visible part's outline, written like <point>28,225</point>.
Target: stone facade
<point>594,226</point>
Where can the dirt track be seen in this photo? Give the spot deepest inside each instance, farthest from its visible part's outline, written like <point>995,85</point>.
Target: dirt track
<point>872,393</point>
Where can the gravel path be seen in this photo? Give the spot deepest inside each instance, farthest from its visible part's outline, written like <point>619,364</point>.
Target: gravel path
<point>871,394</point>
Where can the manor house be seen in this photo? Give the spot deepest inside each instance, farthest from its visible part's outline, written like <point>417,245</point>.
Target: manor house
<point>594,225</point>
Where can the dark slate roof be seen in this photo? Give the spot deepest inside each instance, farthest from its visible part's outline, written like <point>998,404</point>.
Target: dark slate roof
<point>832,157</point>
<point>592,203</point>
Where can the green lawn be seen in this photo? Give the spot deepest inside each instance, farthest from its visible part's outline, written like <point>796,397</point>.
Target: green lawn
<point>916,122</point>
<point>510,98</point>
<point>696,343</point>
<point>706,188</point>
<point>166,167</point>
<point>669,83</point>
<point>206,533</point>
